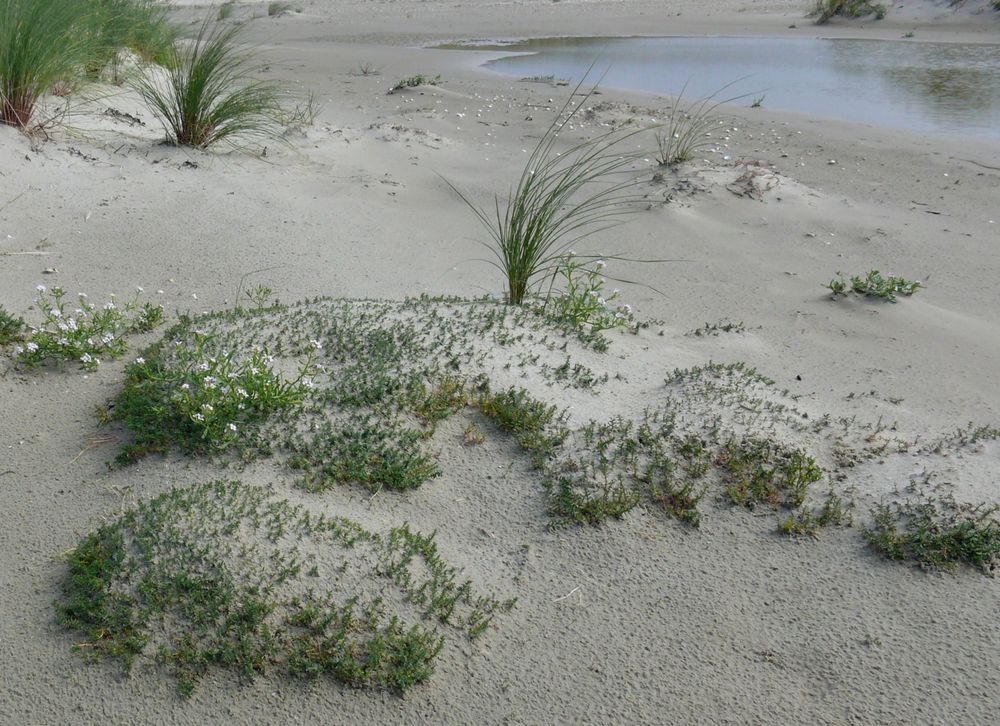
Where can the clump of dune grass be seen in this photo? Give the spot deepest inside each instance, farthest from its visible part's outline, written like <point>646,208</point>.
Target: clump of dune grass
<point>560,198</point>
<point>276,9</point>
<point>41,43</point>
<point>209,94</point>
<point>824,10</point>
<point>140,26</point>
<point>226,10</point>
<point>688,127</point>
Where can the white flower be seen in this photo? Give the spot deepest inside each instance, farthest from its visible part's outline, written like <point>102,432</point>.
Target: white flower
<point>71,323</point>
<point>207,407</point>
<point>55,312</point>
<point>594,293</point>
<point>86,358</point>
<point>140,360</point>
<point>110,306</point>
<point>32,347</point>
<point>241,392</point>
<point>232,427</point>
<point>139,289</point>
<point>627,309</point>
<point>40,288</point>
<point>82,295</point>
<point>198,417</point>
<point>316,344</point>
<point>185,386</point>
<point>203,366</point>
<point>108,338</point>
<point>307,382</point>
<point>601,301</point>
<point>19,350</point>
<point>63,342</point>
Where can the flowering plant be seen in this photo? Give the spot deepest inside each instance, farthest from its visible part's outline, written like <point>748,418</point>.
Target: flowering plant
<point>84,332</point>
<point>203,399</point>
<point>583,300</point>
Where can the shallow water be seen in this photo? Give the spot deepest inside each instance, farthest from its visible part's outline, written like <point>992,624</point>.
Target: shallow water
<point>935,87</point>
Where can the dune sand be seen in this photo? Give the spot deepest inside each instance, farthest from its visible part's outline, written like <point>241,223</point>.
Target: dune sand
<point>637,620</point>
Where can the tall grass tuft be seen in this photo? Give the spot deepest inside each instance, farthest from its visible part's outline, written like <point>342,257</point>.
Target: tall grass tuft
<point>40,45</point>
<point>560,198</point>
<point>141,26</point>
<point>208,94</point>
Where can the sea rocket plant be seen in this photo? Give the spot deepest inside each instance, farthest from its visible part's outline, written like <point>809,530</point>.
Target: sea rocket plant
<point>583,301</point>
<point>207,397</point>
<point>85,332</point>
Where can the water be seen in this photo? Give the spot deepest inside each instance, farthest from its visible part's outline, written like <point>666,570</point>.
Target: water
<point>946,88</point>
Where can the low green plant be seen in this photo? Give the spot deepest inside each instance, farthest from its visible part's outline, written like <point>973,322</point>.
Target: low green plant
<point>824,10</point>
<point>874,284</point>
<point>679,495</point>
<point>209,95</point>
<point>203,401</point>
<point>936,532</point>
<point>717,328</point>
<point>807,522</point>
<point>42,42</point>
<point>535,424</point>
<point>570,505</point>
<point>413,82</point>
<point>561,197</point>
<point>260,295</point>
<point>444,399</point>
<point>11,328</point>
<point>83,332</point>
<point>577,296</point>
<point>367,450</point>
<point>760,471</point>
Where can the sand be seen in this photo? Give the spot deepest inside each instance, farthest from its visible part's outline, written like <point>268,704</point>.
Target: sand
<point>637,620</point>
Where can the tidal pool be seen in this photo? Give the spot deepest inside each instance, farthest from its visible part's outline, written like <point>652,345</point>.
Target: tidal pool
<point>948,88</point>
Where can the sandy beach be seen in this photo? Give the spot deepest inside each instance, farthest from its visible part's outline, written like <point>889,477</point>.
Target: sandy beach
<point>638,619</point>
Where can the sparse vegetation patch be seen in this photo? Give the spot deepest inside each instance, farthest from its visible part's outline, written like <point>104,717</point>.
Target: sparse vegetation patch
<point>874,284</point>
<point>936,532</point>
<point>224,575</point>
